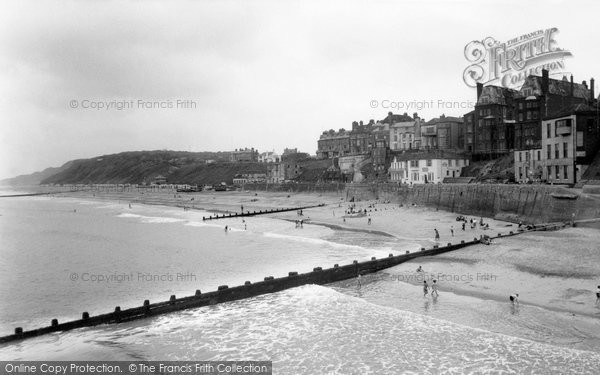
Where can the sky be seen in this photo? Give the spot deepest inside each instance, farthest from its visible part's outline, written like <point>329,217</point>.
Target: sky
<point>80,79</point>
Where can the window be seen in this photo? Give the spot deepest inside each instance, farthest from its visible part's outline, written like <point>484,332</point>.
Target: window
<point>579,139</point>
<point>549,172</point>
<point>520,105</point>
<point>557,169</point>
<point>549,150</point>
<point>539,155</point>
<point>565,150</point>
<point>556,155</point>
<point>520,173</point>
<point>566,172</point>
<point>548,130</point>
<point>520,117</point>
<point>520,156</point>
<point>429,163</point>
<point>535,115</point>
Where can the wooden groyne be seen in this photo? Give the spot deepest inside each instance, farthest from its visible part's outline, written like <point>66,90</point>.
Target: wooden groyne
<point>260,212</point>
<point>224,293</point>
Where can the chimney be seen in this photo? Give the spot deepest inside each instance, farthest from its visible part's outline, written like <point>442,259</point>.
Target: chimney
<point>572,87</point>
<point>479,89</point>
<point>592,97</point>
<point>584,83</point>
<point>545,81</point>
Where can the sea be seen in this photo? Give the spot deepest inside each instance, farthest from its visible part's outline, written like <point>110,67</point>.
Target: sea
<point>62,256</point>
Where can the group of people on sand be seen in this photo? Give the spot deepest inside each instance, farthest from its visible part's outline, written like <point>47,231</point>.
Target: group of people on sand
<point>472,222</point>
<point>513,298</point>
<point>300,223</point>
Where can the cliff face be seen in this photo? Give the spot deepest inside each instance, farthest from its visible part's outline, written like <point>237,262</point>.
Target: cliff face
<point>131,167</point>
<point>530,203</point>
<point>34,178</point>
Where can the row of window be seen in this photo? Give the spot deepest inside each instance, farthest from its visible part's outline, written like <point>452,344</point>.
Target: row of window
<point>528,155</point>
<point>529,104</point>
<point>429,163</point>
<point>565,149</point>
<point>403,136</point>
<point>529,115</point>
<point>556,169</point>
<point>553,172</point>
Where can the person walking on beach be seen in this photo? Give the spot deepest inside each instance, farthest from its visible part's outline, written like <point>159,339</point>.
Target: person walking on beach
<point>425,288</point>
<point>452,230</point>
<point>514,298</point>
<point>226,228</point>
<point>437,234</point>
<point>434,288</point>
<point>242,208</point>
<point>463,226</point>
<point>359,280</point>
<point>369,222</point>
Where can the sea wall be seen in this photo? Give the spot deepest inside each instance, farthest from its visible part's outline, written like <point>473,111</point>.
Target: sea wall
<point>530,203</point>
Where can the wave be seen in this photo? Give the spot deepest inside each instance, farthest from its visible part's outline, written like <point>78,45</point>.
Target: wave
<point>315,329</point>
<point>152,219</point>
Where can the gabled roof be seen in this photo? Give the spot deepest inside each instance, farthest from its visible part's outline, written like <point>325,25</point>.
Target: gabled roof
<point>495,95</point>
<point>560,87</point>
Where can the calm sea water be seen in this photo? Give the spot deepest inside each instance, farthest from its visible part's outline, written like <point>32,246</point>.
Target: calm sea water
<point>63,256</point>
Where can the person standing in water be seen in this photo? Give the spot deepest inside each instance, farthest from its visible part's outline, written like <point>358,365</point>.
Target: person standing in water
<point>425,288</point>
<point>434,288</point>
<point>437,234</point>
<point>514,298</point>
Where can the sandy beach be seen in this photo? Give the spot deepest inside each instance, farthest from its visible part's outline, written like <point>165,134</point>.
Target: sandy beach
<point>555,270</point>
